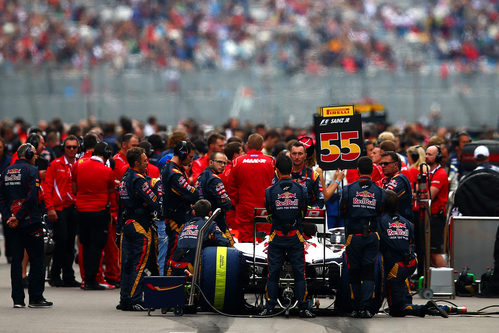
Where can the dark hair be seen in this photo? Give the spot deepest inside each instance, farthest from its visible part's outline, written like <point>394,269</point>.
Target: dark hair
<point>394,157</point>
<point>212,139</point>
<point>391,202</point>
<point>365,165</point>
<point>127,137</point>
<point>283,164</point>
<point>71,138</point>
<point>157,142</point>
<point>102,149</point>
<point>133,155</point>
<point>231,149</point>
<point>202,208</point>
<point>146,145</point>
<point>387,145</point>
<point>235,139</point>
<point>90,140</point>
<point>272,134</point>
<point>214,154</point>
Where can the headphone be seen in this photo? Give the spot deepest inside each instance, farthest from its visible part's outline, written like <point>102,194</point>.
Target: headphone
<point>455,139</point>
<point>415,154</point>
<point>34,140</point>
<point>107,150</point>
<point>439,156</point>
<point>29,153</point>
<point>181,150</point>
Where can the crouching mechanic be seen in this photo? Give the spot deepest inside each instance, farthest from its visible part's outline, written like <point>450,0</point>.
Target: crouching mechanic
<point>361,205</point>
<point>286,201</point>
<point>396,244</point>
<point>138,206</point>
<point>184,254</point>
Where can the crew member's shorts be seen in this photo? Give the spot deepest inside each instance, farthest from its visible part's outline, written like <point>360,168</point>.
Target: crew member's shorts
<point>437,226</point>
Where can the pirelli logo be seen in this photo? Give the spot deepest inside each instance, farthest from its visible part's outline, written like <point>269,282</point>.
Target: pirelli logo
<point>336,111</point>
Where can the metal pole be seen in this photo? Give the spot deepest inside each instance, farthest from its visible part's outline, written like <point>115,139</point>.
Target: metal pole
<point>199,246</point>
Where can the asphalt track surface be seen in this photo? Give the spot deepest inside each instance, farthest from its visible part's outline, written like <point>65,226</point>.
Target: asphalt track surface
<point>76,310</point>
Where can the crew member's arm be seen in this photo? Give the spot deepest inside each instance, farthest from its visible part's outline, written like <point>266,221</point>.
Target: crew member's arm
<point>145,192</point>
<point>49,193</point>
<point>319,196</point>
<point>217,190</point>
<point>32,184</point>
<point>181,187</point>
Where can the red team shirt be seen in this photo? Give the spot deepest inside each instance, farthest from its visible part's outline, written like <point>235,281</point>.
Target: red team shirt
<point>438,178</point>
<point>94,180</point>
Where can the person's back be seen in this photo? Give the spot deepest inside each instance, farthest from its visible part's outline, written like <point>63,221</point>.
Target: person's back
<point>251,174</point>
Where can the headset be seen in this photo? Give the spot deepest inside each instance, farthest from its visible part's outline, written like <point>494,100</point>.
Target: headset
<point>181,150</point>
<point>34,140</point>
<point>415,154</point>
<point>455,139</point>
<point>107,150</point>
<point>29,153</point>
<point>439,156</point>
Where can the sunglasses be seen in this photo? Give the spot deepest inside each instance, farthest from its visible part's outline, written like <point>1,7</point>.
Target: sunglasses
<point>221,162</point>
<point>71,147</point>
<point>383,164</point>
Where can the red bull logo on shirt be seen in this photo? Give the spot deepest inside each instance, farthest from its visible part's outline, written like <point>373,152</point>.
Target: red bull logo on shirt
<point>286,199</point>
<point>364,198</point>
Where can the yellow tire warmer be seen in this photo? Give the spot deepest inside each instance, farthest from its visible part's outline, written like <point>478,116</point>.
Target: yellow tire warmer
<point>221,274</point>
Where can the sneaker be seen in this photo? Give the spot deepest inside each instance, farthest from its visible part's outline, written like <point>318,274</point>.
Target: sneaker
<point>306,314</point>
<point>113,282</point>
<point>355,314</point>
<point>93,286</point>
<point>19,305</point>
<point>366,314</point>
<point>266,312</point>
<point>107,285</point>
<point>133,307</point>
<point>56,282</point>
<point>71,283</point>
<point>43,303</point>
<point>433,309</point>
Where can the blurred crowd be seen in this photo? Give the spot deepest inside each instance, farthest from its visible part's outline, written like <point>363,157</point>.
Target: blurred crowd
<point>284,35</point>
<point>163,137</point>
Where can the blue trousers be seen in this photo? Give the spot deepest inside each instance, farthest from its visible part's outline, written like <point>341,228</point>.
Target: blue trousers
<point>398,293</point>
<point>361,255</point>
<point>279,247</point>
<point>31,239</point>
<point>135,253</point>
<point>162,246</point>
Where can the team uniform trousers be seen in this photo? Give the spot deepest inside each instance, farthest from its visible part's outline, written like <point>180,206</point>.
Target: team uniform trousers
<point>93,231</point>
<point>361,253</point>
<point>280,248</point>
<point>398,290</point>
<point>31,240</point>
<point>136,245</point>
<point>64,243</point>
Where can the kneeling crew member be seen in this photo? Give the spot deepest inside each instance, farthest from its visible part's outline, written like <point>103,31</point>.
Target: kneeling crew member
<point>286,201</point>
<point>184,254</point>
<point>139,205</point>
<point>396,239</point>
<point>361,205</point>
